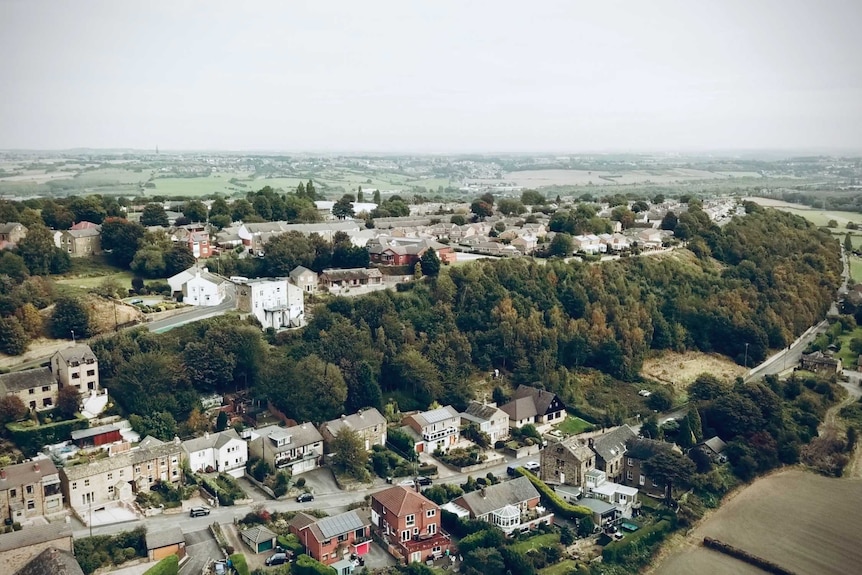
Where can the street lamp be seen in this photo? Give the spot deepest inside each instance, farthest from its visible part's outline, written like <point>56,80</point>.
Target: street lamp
<point>746,355</point>
<point>73,335</point>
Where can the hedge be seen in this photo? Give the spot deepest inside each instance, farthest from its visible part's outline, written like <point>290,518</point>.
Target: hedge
<point>237,560</point>
<point>31,440</point>
<point>291,542</point>
<point>562,508</point>
<point>306,565</point>
<point>170,565</point>
<point>618,551</point>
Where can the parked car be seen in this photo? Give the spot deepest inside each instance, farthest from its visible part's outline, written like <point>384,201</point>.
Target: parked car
<point>407,483</point>
<point>276,559</point>
<point>424,481</point>
<point>532,466</point>
<point>220,568</point>
<point>304,497</point>
<point>199,511</point>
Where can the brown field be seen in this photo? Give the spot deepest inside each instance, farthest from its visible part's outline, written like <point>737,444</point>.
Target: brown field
<point>803,522</point>
<point>681,369</point>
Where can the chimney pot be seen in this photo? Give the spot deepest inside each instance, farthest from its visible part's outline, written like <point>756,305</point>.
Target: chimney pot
<point>2,474</point>
<point>36,466</point>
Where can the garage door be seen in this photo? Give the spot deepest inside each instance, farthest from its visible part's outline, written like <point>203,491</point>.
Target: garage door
<point>264,546</point>
<point>362,548</point>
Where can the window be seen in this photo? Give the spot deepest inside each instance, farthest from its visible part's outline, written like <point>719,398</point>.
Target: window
<point>47,402</point>
<point>431,513</point>
<point>110,476</point>
<point>121,472</point>
<point>628,476</point>
<point>327,542</point>
<point>91,372</point>
<point>110,489</point>
<point>86,483</point>
<point>432,529</point>
<point>31,391</point>
<point>641,480</point>
<point>411,519</point>
<point>630,461</point>
<point>31,504</point>
<point>46,388</point>
<point>74,485</point>
<point>12,493</point>
<point>76,376</point>
<point>405,535</point>
<point>32,403</point>
<point>29,490</point>
<point>342,537</point>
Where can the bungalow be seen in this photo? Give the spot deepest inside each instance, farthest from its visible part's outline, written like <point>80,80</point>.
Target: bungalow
<point>332,539</point>
<point>388,250</point>
<point>298,448</point>
<point>650,238</point>
<point>198,286</point>
<point>164,542</point>
<point>489,418</point>
<point>224,452</point>
<point>369,424</point>
<point>337,279</point>
<point>615,242</point>
<point>510,505</point>
<point>820,362</point>
<point>439,428</point>
<point>258,538</point>
<point>588,244</point>
<point>409,524</point>
<point>533,405</point>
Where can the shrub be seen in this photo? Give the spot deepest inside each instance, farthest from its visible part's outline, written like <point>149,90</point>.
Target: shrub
<point>620,551</point>
<point>239,564</point>
<point>300,482</point>
<point>305,565</point>
<point>553,500</point>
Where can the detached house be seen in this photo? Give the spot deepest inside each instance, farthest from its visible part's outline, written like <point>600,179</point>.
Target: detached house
<point>36,388</point>
<point>368,424</point>
<point>510,505</point>
<point>11,233</point>
<point>533,405</point>
<point>199,244</point>
<point>275,302</point>
<point>298,448</point>
<point>337,279</point>
<point>82,242</point>
<point>637,452</point>
<point>77,366</point>
<point>30,490</point>
<point>624,498</point>
<point>489,418</point>
<point>394,251</point>
<point>438,428</point>
<point>335,538</point>
<point>566,462</point>
<point>223,452</point>
<point>304,279</point>
<point>409,524</point>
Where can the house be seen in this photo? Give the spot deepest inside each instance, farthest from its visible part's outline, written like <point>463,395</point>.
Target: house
<point>81,242</point>
<point>369,424</point>
<point>258,538</point>
<point>36,388</point>
<point>52,561</point>
<point>637,452</point>
<point>77,366</point>
<point>338,279</point>
<point>526,244</point>
<point>392,251</point>
<point>304,279</point>
<point>335,538</point>
<point>204,289</point>
<point>714,448</point>
<point>536,406</point>
<point>179,280</point>
<point>490,419</point>
<point>566,462</point>
<point>275,302</point>
<point>649,238</point>
<point>615,242</point>
<point>439,428</point>
<point>610,449</point>
<point>820,362</point>
<point>96,436</point>
<point>604,513</point>
<point>223,452</point>
<point>297,449</point>
<point>510,505</point>
<point>408,523</point>
<point>164,542</point>
<point>30,490</point>
<point>199,244</point>
<point>18,548</point>
<point>623,497</point>
<point>11,233</point>
<point>588,244</point>
<point>115,480</point>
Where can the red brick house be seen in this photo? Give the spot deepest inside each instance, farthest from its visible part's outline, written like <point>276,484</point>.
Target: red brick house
<point>199,244</point>
<point>409,523</point>
<point>334,538</point>
<point>391,251</point>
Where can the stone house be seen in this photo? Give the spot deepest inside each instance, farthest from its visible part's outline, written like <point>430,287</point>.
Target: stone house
<point>566,462</point>
<point>304,279</point>
<point>369,424</point>
<point>637,452</point>
<point>82,242</point>
<point>18,548</point>
<point>30,490</point>
<point>11,233</point>
<point>610,448</point>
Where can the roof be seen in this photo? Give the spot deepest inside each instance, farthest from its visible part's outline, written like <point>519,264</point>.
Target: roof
<point>403,501</point>
<point>528,402</point>
<point>10,227</point>
<point>613,444</point>
<point>85,225</point>
<point>21,380</point>
<point>146,451</point>
<point>521,408</point>
<point>302,520</point>
<point>34,535</point>
<point>300,271</point>
<point>84,233</point>
<point>52,561</point>
<point>93,431</point>
<point>482,411</point>
<point>27,473</point>
<point>163,537</point>
<point>715,444</point>
<point>596,505</point>
<point>362,419</point>
<point>495,497</point>
<point>330,527</point>
<point>258,534</point>
<point>303,434</point>
<point>80,353</point>
<point>402,246</point>
<point>435,415</point>
<point>542,398</point>
<point>352,273</point>
<point>580,450</point>
<point>211,441</point>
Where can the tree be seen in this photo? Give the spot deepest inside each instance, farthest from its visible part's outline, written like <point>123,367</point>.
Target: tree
<point>195,211</point>
<point>221,421</point>
<point>586,527</point>
<point>343,208</point>
<point>13,265</point>
<point>658,199</point>
<point>349,454</point>
<point>121,240</point>
<point>38,251</point>
<point>532,198</point>
<point>624,216</point>
<point>848,243</point>
<point>31,320</point>
<point>197,422</point>
<point>668,467</point>
<point>660,400</point>
<point>695,423</point>
<point>177,259</point>
<point>209,366</point>
<point>482,209</point>
<point>68,400</point>
<point>458,220</point>
<point>832,224</point>
<point>87,209</point>
<point>707,387</point>
<point>13,337</point>
<point>308,390</point>
<point>509,207</point>
<point>650,429</point>
<point>430,263</point>
<point>149,262</point>
<point>11,409</point>
<point>562,245</point>
<point>160,425</point>
<point>154,215</point>
<point>70,316</point>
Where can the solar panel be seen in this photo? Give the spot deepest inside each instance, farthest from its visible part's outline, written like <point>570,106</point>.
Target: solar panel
<point>338,524</point>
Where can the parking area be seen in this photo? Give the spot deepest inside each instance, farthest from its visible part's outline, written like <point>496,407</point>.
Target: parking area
<point>201,547</point>
<point>320,481</point>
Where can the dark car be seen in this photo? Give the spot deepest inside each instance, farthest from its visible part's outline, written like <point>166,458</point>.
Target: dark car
<point>304,497</point>
<point>199,511</point>
<point>277,559</point>
<point>424,481</point>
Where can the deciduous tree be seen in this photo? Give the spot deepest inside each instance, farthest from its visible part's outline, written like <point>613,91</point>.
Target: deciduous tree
<point>70,315</point>
<point>349,454</point>
<point>154,215</point>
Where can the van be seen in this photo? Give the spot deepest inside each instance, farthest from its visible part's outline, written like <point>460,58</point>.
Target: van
<point>276,559</point>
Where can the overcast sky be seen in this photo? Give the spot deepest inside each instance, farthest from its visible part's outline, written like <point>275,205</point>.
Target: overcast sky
<point>432,76</point>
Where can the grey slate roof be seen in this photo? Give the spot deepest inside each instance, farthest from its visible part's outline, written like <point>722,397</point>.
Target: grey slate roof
<point>9,227</point>
<point>497,496</point>
<point>362,419</point>
<point>258,534</point>
<point>613,443</point>
<point>21,380</point>
<point>481,411</point>
<point>163,537</point>
<point>80,353</point>
<point>303,434</point>
<point>27,473</point>
<point>84,233</point>
<point>52,561</point>
<point>596,505</point>
<point>33,536</point>
<point>715,444</point>
<point>210,441</point>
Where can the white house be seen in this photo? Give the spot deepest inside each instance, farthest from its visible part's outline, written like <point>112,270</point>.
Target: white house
<point>489,418</point>
<point>204,289</point>
<point>275,302</point>
<point>588,243</point>
<point>439,428</point>
<point>224,452</point>
<point>598,487</point>
<point>178,281</point>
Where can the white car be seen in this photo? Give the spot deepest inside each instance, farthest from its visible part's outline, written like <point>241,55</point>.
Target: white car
<point>532,466</point>
<point>644,393</point>
<point>407,483</point>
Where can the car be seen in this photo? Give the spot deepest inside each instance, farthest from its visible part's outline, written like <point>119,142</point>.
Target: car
<point>304,497</point>
<point>220,568</point>
<point>407,483</point>
<point>644,393</point>
<point>510,471</point>
<point>424,481</point>
<point>532,466</point>
<point>136,301</point>
<point>199,511</point>
<point>276,559</point>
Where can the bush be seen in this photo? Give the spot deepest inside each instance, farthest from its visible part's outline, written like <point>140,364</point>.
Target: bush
<point>620,551</point>
<point>170,565</point>
<point>553,500</point>
<point>306,565</point>
<point>291,543</point>
<point>239,564</point>
<point>31,439</point>
<point>300,482</point>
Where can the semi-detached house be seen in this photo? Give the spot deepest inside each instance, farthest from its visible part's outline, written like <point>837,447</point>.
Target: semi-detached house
<point>298,448</point>
<point>221,452</point>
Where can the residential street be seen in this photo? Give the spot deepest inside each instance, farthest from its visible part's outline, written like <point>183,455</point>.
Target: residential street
<point>196,314</point>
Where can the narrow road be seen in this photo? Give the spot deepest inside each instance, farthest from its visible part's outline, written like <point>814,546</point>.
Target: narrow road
<point>196,314</point>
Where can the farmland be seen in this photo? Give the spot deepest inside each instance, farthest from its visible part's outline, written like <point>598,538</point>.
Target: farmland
<point>797,519</point>
<point>813,215</point>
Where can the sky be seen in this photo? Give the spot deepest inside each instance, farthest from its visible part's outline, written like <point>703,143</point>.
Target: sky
<point>439,77</point>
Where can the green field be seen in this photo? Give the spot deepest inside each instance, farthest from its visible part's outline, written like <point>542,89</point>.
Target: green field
<point>111,175</point>
<point>848,358</point>
<point>574,425</point>
<point>536,542</point>
<point>856,269</point>
<point>821,217</point>
<point>564,567</point>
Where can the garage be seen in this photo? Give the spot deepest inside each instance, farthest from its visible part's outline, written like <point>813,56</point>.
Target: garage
<point>259,538</point>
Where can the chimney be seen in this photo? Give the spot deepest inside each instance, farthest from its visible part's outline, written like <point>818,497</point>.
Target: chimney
<point>206,434</point>
<point>2,474</point>
<point>483,493</point>
<point>343,416</point>
<point>36,467</point>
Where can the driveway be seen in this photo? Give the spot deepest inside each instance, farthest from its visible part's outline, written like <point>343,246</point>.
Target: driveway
<point>320,481</point>
<point>201,547</point>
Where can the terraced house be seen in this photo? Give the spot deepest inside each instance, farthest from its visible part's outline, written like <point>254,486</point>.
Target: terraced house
<point>30,490</point>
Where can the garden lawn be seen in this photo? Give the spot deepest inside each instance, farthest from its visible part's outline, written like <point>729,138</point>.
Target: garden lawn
<point>564,567</point>
<point>856,269</point>
<point>848,358</point>
<point>544,540</point>
<point>574,425</point>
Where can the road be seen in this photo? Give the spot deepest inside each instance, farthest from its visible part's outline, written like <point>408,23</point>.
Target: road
<point>196,314</point>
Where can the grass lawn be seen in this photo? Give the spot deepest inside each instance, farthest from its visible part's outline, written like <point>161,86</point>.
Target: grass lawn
<point>87,273</point>
<point>848,358</point>
<point>856,268</point>
<point>574,425</point>
<point>544,540</point>
<point>821,217</point>
<point>562,568</point>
